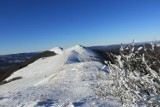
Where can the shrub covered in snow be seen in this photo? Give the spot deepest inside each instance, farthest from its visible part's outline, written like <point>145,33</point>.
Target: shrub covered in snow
<point>132,78</point>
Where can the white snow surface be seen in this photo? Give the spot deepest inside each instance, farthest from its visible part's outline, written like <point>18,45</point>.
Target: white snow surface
<point>57,50</point>
<point>140,48</point>
<point>63,80</point>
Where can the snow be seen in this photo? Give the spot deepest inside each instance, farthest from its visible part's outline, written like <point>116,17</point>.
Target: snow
<point>158,45</point>
<point>140,48</point>
<point>57,50</point>
<point>63,80</point>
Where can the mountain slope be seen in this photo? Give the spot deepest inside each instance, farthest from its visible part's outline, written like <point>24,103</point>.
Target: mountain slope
<point>5,73</point>
<point>63,80</point>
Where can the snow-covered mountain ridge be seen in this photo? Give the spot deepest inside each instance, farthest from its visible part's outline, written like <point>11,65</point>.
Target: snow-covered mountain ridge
<point>63,80</point>
<point>78,77</point>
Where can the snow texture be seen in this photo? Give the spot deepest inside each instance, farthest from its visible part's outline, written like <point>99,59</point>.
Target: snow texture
<point>63,80</point>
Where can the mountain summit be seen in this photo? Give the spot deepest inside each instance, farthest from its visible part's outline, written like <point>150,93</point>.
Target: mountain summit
<point>57,50</point>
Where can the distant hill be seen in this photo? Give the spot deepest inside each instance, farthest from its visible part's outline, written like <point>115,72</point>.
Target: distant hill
<point>14,59</point>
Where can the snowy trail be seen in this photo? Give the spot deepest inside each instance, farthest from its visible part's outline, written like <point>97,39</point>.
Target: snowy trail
<point>63,80</point>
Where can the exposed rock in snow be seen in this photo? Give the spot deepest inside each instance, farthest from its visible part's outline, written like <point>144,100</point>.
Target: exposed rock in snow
<point>57,50</point>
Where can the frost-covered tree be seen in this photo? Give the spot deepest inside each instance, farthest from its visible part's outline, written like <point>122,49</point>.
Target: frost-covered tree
<point>131,78</point>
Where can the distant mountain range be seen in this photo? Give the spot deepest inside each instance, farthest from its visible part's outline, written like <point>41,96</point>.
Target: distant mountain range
<point>13,59</point>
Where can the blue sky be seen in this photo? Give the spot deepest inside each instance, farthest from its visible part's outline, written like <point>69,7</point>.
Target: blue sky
<point>35,25</point>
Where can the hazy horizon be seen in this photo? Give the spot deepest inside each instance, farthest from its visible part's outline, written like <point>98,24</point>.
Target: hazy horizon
<point>36,25</point>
